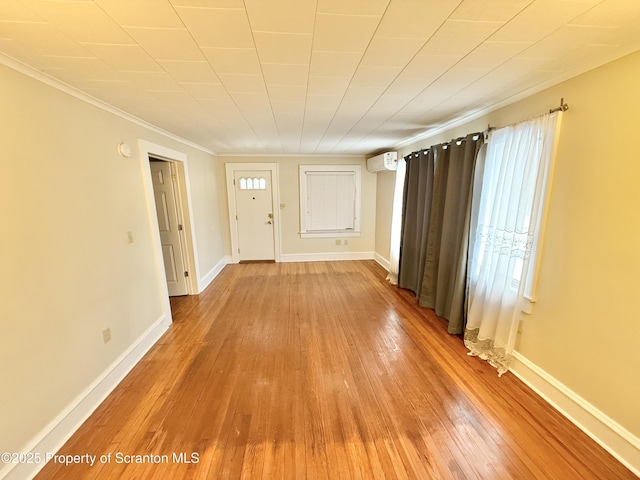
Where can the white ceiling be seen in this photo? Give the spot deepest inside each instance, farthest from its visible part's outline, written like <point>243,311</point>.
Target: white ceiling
<point>313,76</point>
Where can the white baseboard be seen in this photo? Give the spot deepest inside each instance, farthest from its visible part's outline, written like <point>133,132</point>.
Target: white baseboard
<point>213,273</point>
<point>325,257</point>
<point>51,438</point>
<point>613,437</point>
<point>383,262</point>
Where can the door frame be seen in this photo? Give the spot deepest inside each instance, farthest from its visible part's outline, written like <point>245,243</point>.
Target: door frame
<point>231,202</point>
<point>178,162</point>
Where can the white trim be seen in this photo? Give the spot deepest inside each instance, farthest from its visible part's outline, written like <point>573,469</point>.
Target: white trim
<point>29,71</point>
<point>230,168</point>
<point>326,257</point>
<point>52,437</point>
<point>383,262</point>
<point>213,273</point>
<point>146,150</point>
<point>609,434</point>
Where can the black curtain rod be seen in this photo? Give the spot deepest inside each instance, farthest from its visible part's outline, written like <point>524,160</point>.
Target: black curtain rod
<point>562,108</point>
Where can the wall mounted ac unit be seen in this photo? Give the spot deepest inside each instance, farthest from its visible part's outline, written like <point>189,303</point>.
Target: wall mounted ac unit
<point>384,162</point>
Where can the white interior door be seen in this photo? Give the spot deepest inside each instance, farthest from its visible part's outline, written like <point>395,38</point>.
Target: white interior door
<point>166,209</point>
<point>254,214</point>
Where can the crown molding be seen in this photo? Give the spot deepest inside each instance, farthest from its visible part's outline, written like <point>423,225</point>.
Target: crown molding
<point>42,77</point>
<point>474,115</point>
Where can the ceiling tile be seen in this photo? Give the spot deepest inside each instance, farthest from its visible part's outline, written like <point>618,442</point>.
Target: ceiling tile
<point>353,7</point>
<point>243,83</point>
<point>568,38</point>
<point>286,48</point>
<point>287,107</point>
<point>208,3</point>
<point>205,90</point>
<point>278,74</point>
<point>344,33</point>
<point>610,14</point>
<point>234,61</point>
<point>218,27</point>
<point>368,76</point>
<point>328,85</point>
<point>166,43</point>
<point>290,16</point>
<point>14,11</point>
<point>82,21</point>
<point>361,95</point>
<point>282,93</point>
<point>459,37</point>
<point>489,55</point>
<point>87,68</point>
<point>42,38</point>
<point>536,22</point>
<point>340,64</point>
<point>124,57</point>
<point>323,102</point>
<point>187,71</point>
<point>391,52</point>
<point>253,103</point>
<point>153,80</point>
<point>137,13</point>
<point>415,18</point>
<point>489,10</point>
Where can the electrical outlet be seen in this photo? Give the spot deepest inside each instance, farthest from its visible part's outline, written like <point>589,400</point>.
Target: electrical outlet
<point>338,242</point>
<point>106,335</point>
<point>346,242</point>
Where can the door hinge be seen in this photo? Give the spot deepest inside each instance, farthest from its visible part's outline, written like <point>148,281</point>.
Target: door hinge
<point>238,250</point>
<point>186,274</point>
<point>234,181</point>
<point>236,217</point>
<point>179,227</point>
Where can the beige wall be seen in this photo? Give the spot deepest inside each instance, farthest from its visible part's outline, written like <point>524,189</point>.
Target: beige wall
<point>205,204</point>
<point>68,272</point>
<point>584,329</point>
<point>384,206</point>
<point>290,196</point>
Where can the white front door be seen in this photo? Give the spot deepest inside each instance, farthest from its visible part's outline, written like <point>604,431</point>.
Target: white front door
<point>169,226</point>
<point>254,214</point>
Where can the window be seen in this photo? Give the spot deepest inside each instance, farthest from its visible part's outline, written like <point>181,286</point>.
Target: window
<point>253,184</point>
<point>329,201</point>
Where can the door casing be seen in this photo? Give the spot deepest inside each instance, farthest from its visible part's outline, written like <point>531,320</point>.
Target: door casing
<point>149,150</point>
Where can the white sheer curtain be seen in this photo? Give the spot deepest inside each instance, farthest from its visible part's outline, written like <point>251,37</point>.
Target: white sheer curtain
<point>505,219</point>
<point>396,222</point>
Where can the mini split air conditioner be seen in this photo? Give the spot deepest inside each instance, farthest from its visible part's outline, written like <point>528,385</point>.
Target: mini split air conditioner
<point>384,162</point>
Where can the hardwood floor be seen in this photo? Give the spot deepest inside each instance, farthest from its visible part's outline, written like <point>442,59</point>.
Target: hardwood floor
<point>323,370</point>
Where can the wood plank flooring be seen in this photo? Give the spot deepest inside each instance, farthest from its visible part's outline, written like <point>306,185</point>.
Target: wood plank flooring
<point>323,371</point>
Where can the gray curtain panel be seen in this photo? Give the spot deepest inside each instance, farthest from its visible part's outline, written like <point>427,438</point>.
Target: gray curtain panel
<point>435,233</point>
<point>418,190</point>
<point>445,274</point>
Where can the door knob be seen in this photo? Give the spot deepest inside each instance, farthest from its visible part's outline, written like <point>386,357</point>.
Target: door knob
<point>270,215</point>
<point>269,222</point>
